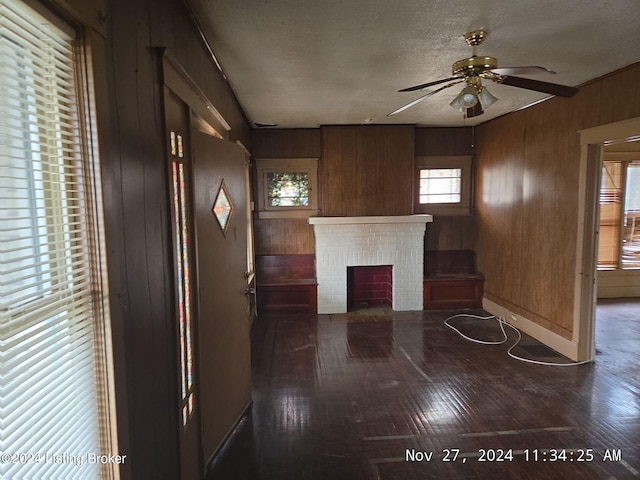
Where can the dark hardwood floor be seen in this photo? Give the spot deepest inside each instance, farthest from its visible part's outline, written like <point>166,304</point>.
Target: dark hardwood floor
<point>618,339</point>
<point>377,394</point>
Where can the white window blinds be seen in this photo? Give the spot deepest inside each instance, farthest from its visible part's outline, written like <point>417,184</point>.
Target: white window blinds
<point>49,401</point>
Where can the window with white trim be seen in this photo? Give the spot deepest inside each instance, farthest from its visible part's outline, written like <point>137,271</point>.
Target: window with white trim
<point>52,312</point>
<point>443,185</point>
<point>287,187</point>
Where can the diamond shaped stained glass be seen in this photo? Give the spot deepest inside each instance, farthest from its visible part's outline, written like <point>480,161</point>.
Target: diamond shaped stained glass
<point>223,207</point>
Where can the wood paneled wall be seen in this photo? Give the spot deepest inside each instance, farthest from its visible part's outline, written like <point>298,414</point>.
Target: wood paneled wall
<point>138,234</point>
<point>450,233</point>
<point>282,236</point>
<point>364,170</point>
<point>443,141</point>
<point>367,170</point>
<point>527,197</point>
<point>455,232</point>
<point>286,143</point>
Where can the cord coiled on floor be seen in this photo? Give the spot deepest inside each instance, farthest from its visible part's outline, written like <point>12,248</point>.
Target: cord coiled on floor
<point>502,322</point>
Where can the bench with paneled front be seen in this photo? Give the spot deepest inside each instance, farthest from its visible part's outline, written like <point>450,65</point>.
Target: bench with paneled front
<point>286,283</point>
<point>451,280</point>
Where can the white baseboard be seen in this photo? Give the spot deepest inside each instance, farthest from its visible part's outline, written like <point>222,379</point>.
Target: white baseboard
<point>618,291</point>
<point>560,344</point>
<point>618,283</point>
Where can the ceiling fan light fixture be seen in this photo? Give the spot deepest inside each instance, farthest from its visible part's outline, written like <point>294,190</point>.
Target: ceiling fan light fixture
<point>474,99</point>
<point>485,98</point>
<point>467,98</point>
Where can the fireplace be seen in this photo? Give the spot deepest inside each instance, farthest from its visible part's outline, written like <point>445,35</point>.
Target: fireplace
<point>369,286</point>
<point>395,241</point>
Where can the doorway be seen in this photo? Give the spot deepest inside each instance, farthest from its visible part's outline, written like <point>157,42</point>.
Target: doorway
<point>593,141</point>
<point>207,178</point>
<point>617,321</point>
<point>619,224</point>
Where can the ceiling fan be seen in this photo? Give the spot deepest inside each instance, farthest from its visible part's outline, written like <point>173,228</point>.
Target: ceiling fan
<point>474,97</point>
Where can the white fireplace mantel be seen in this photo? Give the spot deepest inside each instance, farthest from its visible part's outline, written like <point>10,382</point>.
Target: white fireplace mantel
<point>343,242</point>
<point>370,219</point>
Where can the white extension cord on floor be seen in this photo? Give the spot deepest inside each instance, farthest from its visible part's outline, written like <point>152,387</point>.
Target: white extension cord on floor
<point>502,322</point>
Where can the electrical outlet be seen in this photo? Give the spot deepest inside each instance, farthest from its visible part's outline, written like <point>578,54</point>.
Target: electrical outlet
<point>513,317</point>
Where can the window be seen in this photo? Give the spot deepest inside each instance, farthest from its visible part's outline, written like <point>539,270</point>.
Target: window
<point>440,185</point>
<point>619,237</point>
<point>182,239</point>
<point>444,185</point>
<point>52,308</point>
<point>287,187</point>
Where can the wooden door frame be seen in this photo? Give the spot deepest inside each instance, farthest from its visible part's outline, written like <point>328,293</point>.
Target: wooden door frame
<point>178,82</point>
<point>591,142</point>
<point>251,248</point>
<point>186,159</point>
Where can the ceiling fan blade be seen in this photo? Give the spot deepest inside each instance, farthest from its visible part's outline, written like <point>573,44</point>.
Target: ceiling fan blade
<point>521,70</point>
<point>538,86</point>
<point>474,111</point>
<point>430,84</point>
<point>418,100</point>
<point>408,105</point>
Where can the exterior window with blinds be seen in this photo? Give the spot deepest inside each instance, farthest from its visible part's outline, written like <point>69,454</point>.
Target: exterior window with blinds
<point>52,314</point>
<point>619,233</point>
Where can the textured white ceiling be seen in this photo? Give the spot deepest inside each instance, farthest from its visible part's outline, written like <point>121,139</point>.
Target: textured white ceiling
<point>304,63</point>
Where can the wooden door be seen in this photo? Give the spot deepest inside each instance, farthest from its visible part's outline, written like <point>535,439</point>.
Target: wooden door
<point>220,205</point>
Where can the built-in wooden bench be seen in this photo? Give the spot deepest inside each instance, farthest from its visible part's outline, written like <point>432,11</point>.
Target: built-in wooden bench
<point>286,283</point>
<point>451,280</point>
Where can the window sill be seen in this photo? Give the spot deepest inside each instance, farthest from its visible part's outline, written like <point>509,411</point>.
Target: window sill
<point>445,210</point>
<point>268,214</point>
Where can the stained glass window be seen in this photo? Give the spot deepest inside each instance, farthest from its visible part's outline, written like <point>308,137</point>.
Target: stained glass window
<point>287,189</point>
<point>180,148</point>
<point>223,208</point>
<point>183,278</point>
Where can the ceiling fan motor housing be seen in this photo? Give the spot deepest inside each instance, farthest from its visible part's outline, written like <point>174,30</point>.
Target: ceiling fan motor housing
<point>476,37</point>
<point>474,65</point>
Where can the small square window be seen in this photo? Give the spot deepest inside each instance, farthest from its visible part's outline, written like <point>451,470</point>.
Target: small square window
<point>287,187</point>
<point>443,185</point>
<point>440,185</point>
